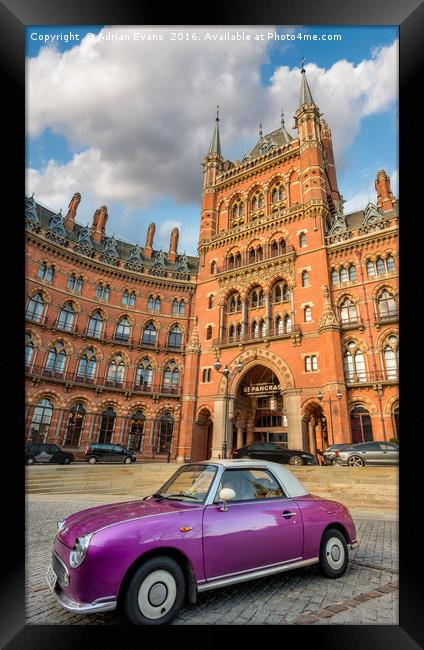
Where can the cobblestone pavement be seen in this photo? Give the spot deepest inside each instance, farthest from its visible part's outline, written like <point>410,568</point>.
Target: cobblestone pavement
<point>366,594</point>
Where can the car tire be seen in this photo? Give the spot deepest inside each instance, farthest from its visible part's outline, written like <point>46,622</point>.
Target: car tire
<point>30,461</point>
<point>334,554</point>
<point>66,461</point>
<point>334,461</point>
<point>92,460</point>
<point>355,461</point>
<point>295,460</point>
<point>155,593</point>
<point>127,460</point>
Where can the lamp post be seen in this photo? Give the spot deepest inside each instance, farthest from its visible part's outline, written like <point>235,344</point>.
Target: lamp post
<point>226,372</point>
<point>329,400</point>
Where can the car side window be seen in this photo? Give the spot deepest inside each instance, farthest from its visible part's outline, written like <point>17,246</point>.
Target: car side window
<point>368,447</point>
<point>250,485</point>
<point>53,449</point>
<point>117,449</point>
<point>386,446</point>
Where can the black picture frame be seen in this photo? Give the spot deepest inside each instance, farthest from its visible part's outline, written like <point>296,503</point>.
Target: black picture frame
<point>15,15</point>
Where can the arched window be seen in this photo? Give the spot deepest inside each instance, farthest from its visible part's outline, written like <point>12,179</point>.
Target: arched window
<point>40,423</point>
<point>123,328</point>
<point>86,370</point>
<point>343,275</point>
<point>302,240</point>
<point>213,267</point>
<point>56,358</point>
<point>209,332</point>
<point>66,317</point>
<point>136,432</point>
<point>107,425</point>
<point>74,283</point>
<point>41,273</point>
<point>157,305</point>
<point>352,273</point>
<point>131,301</point>
<point>95,325</point>
<point>165,433</point>
<point>263,328</point>
<point>281,292</point>
<point>348,313</point>
<point>171,378</point>
<point>396,420</point>
<point>46,272</point>
<point>29,351</point>
<point>182,308</point>
<point>153,304</point>
<point>255,329</point>
<point>175,307</point>
<point>175,338</point>
<point>149,335</point>
<point>360,422</point>
<point>335,278</point>
<point>381,269</point>
<point>231,333</point>
<point>35,308</point>
<point>125,297</point>
<point>74,426</point>
<point>391,357</point>
<point>390,264</point>
<point>237,212</point>
<point>386,306</point>
<point>210,301</point>
<point>102,291</point>
<point>279,325</point>
<point>278,193</point>
<point>237,260</point>
<point>287,324</point>
<point>354,364</point>
<point>116,371</point>
<point>259,254</point>
<point>370,269</point>
<point>144,375</point>
<point>256,297</point>
<point>307,314</point>
<point>234,302</point>
<point>305,279</point>
<point>238,331</point>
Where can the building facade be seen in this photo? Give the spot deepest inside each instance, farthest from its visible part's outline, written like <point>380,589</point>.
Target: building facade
<point>285,328</point>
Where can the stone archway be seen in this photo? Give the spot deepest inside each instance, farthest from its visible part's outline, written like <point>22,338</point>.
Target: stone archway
<point>203,435</point>
<point>314,428</point>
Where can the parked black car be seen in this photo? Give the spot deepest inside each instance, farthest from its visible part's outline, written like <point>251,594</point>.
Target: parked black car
<point>107,453</point>
<point>276,452</point>
<point>330,453</point>
<point>42,452</point>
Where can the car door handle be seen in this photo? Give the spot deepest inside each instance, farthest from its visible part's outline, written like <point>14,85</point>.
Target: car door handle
<point>287,514</point>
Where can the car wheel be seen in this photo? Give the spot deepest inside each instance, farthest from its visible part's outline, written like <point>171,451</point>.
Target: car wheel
<point>30,461</point>
<point>66,461</point>
<point>127,460</point>
<point>355,461</point>
<point>334,555</point>
<point>295,460</point>
<point>334,461</point>
<point>155,593</point>
<point>92,460</point>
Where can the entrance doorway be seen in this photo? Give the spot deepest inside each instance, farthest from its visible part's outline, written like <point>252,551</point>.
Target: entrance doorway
<point>361,425</point>
<point>203,436</point>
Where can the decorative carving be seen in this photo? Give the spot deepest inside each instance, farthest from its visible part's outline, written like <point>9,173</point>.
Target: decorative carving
<point>328,319</point>
<point>30,211</point>
<point>110,249</point>
<point>194,343</point>
<point>371,215</point>
<point>182,266</point>
<point>84,239</point>
<point>159,261</point>
<point>134,259</point>
<point>339,224</point>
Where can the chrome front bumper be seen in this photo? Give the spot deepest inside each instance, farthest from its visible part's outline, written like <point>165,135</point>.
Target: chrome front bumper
<point>84,608</point>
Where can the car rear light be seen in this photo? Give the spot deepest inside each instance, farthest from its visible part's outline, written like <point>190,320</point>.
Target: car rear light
<point>337,453</point>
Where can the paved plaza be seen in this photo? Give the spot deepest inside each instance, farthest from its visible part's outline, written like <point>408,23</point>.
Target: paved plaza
<point>366,594</point>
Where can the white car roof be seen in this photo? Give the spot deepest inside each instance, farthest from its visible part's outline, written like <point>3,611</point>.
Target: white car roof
<point>293,487</point>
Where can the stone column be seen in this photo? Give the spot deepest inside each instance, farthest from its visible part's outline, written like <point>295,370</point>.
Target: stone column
<point>243,317</point>
<point>218,426</point>
<point>239,436</point>
<point>312,439</point>
<point>268,312</point>
<point>291,399</point>
<point>57,437</point>
<point>221,322</point>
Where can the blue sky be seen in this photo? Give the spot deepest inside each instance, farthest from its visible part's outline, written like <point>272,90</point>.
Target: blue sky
<point>128,124</point>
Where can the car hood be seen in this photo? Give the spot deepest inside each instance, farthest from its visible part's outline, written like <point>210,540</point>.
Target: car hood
<point>93,519</point>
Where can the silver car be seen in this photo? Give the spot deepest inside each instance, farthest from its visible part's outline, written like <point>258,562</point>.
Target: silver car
<point>368,453</point>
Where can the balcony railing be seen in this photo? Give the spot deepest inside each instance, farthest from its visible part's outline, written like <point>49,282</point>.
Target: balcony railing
<point>389,317</point>
<point>256,335</point>
<point>246,258</point>
<point>158,388</point>
<point>372,376</point>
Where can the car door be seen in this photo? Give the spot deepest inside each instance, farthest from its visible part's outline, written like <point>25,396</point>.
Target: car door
<point>253,532</point>
<point>257,451</point>
<point>370,452</point>
<point>389,453</point>
<point>56,454</point>
<point>45,454</point>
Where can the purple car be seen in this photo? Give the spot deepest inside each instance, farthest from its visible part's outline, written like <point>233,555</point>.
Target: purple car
<point>212,524</point>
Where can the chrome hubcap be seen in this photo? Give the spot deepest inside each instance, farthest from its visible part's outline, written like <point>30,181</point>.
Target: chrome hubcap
<point>335,553</point>
<point>355,462</point>
<point>157,594</point>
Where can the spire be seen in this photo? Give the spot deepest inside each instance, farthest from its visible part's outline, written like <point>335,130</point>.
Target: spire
<point>215,146</point>
<point>261,133</point>
<point>283,127</point>
<point>305,91</point>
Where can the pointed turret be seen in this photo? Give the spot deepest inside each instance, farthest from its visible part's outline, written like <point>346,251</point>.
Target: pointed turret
<point>215,146</point>
<point>305,91</point>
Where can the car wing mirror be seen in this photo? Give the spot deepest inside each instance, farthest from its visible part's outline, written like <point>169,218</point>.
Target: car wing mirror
<point>226,494</point>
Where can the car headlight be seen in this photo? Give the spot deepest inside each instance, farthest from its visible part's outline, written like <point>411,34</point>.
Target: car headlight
<point>79,551</point>
<point>60,524</point>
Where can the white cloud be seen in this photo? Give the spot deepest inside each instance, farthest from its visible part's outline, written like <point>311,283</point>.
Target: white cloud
<point>143,113</point>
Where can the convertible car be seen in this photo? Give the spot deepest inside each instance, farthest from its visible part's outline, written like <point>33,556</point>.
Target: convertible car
<point>210,525</point>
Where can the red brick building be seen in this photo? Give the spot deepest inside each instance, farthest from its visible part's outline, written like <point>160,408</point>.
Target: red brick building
<point>297,302</point>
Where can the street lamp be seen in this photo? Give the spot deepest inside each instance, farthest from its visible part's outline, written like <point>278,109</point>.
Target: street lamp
<point>226,372</point>
<point>329,400</point>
